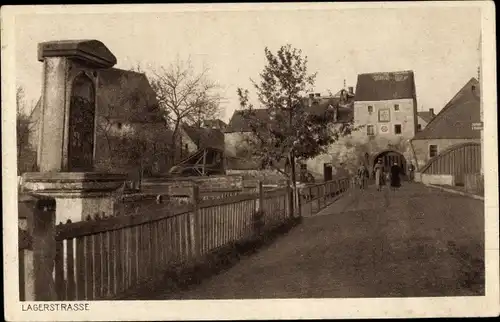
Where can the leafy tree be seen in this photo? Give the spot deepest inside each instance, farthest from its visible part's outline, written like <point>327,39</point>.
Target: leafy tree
<point>294,130</point>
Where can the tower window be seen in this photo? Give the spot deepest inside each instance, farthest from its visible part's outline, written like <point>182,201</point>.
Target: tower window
<point>370,130</point>
<point>397,128</point>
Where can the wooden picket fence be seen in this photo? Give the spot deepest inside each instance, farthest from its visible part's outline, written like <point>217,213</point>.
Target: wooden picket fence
<point>314,198</point>
<point>103,258</point>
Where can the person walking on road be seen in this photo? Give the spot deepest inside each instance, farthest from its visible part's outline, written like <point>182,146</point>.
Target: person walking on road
<point>395,178</point>
<point>379,174</point>
<point>362,176</point>
<point>411,170</point>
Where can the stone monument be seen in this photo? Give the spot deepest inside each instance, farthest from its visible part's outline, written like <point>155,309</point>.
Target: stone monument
<point>66,146</point>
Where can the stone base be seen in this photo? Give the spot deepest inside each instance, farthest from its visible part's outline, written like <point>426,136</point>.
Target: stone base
<point>439,179</point>
<point>77,194</point>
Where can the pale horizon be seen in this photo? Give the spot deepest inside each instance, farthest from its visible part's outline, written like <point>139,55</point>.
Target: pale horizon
<point>440,45</point>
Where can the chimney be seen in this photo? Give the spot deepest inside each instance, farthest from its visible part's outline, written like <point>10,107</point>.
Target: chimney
<point>351,90</point>
<point>431,110</point>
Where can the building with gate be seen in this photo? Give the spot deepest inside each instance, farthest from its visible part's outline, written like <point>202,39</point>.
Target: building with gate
<point>449,146</point>
<point>384,111</point>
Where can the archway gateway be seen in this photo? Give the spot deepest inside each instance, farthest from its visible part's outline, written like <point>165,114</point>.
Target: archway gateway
<point>389,157</point>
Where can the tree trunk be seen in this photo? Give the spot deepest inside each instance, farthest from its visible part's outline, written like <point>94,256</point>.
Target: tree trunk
<point>173,145</point>
<point>294,181</point>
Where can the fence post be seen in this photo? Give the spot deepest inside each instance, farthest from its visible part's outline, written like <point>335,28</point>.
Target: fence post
<point>194,227</point>
<point>290,199</point>
<point>259,210</point>
<point>299,203</point>
<point>41,226</point>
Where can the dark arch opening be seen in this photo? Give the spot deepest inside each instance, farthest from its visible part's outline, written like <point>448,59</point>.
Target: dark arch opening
<point>389,157</point>
<point>81,125</point>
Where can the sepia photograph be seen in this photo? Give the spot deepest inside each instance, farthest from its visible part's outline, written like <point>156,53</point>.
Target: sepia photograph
<point>309,160</point>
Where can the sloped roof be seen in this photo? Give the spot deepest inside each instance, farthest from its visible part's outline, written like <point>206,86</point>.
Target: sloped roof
<point>385,86</point>
<point>456,118</point>
<point>427,116</point>
<point>128,95</point>
<point>217,123</point>
<point>320,105</point>
<point>205,137</point>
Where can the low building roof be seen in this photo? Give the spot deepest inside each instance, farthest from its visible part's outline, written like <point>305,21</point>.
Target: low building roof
<point>385,86</point>
<point>205,137</point>
<point>427,116</point>
<point>319,106</point>
<point>456,118</point>
<point>127,94</point>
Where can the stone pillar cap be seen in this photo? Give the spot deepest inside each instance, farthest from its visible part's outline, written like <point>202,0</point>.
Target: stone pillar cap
<point>91,52</point>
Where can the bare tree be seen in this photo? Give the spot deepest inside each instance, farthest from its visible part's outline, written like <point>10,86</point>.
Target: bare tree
<point>186,96</point>
<point>25,127</point>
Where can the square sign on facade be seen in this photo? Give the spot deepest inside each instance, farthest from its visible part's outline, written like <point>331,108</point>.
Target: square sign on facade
<point>384,115</point>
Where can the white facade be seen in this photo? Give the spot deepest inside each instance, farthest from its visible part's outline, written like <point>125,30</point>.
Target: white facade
<point>392,120</point>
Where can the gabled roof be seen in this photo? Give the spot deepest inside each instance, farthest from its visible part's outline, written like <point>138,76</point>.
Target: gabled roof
<point>385,86</point>
<point>215,123</point>
<point>427,116</point>
<point>205,137</point>
<point>456,118</point>
<point>128,95</point>
<point>319,106</point>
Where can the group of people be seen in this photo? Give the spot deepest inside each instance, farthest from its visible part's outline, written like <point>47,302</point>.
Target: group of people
<point>393,176</point>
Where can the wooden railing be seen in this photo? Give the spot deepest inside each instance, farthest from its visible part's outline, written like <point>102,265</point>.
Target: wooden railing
<point>103,258</point>
<point>314,198</point>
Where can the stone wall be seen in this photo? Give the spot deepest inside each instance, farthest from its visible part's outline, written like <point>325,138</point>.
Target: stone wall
<point>183,186</point>
<point>439,179</point>
<point>233,142</point>
<point>267,176</point>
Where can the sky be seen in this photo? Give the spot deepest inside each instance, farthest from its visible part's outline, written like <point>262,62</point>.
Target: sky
<point>439,44</point>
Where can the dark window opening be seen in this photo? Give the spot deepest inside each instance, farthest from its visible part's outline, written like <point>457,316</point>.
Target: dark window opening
<point>397,128</point>
<point>370,130</point>
<point>370,109</point>
<point>433,150</point>
<point>396,107</point>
